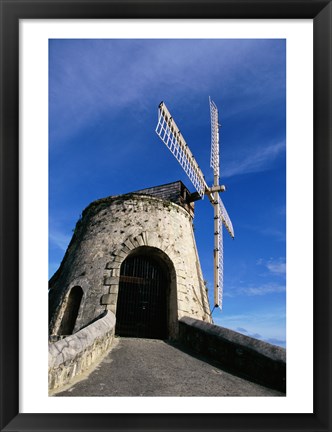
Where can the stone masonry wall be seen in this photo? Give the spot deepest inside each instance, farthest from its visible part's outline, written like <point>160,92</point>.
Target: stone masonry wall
<point>75,354</point>
<point>175,192</point>
<point>109,230</point>
<point>251,358</point>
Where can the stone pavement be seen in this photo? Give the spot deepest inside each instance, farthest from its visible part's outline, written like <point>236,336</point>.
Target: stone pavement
<point>149,367</point>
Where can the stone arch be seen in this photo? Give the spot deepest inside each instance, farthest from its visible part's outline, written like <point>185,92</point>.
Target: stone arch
<point>55,324</point>
<point>112,281</point>
<point>69,317</point>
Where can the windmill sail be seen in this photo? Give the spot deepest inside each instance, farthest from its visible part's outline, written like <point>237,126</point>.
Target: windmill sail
<point>221,218</point>
<point>214,162</point>
<point>220,214</point>
<point>170,134</point>
<point>225,218</point>
<point>218,292</point>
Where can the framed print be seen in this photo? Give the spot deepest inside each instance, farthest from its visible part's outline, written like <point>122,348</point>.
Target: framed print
<point>115,60</point>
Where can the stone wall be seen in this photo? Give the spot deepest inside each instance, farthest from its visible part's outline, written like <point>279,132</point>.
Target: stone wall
<point>251,358</point>
<point>71,356</point>
<point>175,192</point>
<point>110,230</point>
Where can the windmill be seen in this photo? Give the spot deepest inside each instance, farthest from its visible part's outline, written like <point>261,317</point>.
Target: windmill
<point>169,133</point>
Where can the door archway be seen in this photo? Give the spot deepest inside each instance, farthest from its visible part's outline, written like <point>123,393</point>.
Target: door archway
<point>143,298</point>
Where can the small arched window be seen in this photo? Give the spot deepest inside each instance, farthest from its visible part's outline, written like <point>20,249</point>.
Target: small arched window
<point>71,311</point>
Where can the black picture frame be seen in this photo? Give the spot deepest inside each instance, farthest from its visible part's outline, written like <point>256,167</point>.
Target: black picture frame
<point>11,12</point>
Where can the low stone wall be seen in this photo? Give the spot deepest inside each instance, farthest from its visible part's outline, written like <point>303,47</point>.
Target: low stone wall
<point>248,357</point>
<point>73,355</point>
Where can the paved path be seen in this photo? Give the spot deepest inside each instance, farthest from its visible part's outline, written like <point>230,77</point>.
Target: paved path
<point>149,367</point>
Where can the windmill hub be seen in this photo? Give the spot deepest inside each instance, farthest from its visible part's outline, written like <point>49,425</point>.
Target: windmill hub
<point>218,188</point>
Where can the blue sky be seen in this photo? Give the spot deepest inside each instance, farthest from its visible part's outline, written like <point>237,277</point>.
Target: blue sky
<point>103,105</point>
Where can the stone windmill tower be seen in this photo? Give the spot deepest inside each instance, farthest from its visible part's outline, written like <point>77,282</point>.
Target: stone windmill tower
<point>136,256</point>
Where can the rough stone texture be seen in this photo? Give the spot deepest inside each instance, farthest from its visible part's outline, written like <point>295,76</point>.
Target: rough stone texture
<point>175,192</point>
<point>73,355</point>
<point>112,228</point>
<point>252,358</point>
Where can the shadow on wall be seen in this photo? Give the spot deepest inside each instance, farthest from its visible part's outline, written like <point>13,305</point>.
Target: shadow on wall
<point>250,358</point>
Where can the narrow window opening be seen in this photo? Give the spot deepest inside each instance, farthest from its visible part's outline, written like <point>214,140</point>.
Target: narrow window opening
<point>70,315</point>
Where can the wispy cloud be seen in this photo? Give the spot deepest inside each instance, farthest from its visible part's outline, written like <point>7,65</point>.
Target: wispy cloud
<point>59,239</point>
<point>271,315</point>
<point>258,160</point>
<point>256,290</point>
<point>263,290</point>
<point>91,77</point>
<point>269,326</point>
<point>270,340</point>
<point>248,333</point>
<point>275,341</point>
<point>276,266</point>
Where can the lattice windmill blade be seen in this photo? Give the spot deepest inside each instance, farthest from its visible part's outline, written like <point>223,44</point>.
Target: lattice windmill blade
<point>214,161</point>
<point>221,218</point>
<point>169,133</point>
<point>225,218</point>
<point>219,267</point>
<point>220,214</point>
